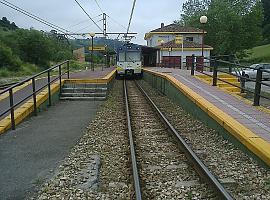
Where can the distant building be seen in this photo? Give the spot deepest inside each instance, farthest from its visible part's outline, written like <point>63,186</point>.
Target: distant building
<point>176,44</point>
<point>79,54</point>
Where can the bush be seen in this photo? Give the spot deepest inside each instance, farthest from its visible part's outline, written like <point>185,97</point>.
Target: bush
<point>8,60</point>
<point>4,72</point>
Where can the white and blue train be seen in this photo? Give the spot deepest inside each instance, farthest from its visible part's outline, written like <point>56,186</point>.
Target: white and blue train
<point>129,60</point>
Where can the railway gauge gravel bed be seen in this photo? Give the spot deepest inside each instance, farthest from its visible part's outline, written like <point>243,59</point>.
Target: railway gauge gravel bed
<point>98,166</point>
<point>241,175</point>
<point>164,171</point>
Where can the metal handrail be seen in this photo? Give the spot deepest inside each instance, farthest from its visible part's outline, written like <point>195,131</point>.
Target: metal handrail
<point>34,92</point>
<point>34,76</point>
<point>241,77</point>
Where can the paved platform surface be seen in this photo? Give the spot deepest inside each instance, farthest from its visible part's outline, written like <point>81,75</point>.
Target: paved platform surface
<point>252,118</point>
<point>29,154</point>
<point>26,91</point>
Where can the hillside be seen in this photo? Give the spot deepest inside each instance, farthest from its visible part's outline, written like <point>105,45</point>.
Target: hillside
<point>259,54</point>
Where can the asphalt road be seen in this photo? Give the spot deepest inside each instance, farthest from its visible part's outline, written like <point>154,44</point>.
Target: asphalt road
<point>30,154</point>
<point>266,91</point>
<point>251,85</point>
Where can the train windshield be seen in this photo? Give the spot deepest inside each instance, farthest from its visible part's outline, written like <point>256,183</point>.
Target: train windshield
<point>133,56</point>
<point>129,56</point>
<point>122,57</point>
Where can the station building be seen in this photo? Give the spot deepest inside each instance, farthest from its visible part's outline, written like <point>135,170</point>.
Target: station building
<point>176,44</point>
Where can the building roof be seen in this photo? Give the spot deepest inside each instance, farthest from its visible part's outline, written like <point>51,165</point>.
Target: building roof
<point>186,45</point>
<point>174,29</point>
<point>177,28</point>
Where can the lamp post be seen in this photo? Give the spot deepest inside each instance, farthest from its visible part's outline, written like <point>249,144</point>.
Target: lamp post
<point>203,20</point>
<point>92,60</point>
<point>105,60</point>
<point>161,53</point>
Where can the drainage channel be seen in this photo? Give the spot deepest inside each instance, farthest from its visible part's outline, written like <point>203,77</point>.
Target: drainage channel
<point>162,162</point>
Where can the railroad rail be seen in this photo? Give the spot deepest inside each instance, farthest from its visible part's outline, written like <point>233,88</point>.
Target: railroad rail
<point>137,108</point>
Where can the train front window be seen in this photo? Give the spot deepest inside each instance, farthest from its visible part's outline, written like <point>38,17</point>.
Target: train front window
<point>133,56</point>
<point>121,57</point>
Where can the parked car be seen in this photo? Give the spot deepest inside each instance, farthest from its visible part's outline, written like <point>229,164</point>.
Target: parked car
<point>252,73</point>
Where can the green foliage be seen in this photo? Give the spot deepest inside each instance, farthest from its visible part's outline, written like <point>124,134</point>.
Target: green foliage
<point>266,22</point>
<point>21,46</point>
<point>34,47</point>
<point>232,25</point>
<point>7,25</point>
<point>7,59</point>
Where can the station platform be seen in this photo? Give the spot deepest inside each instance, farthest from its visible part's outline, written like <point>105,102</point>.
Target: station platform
<point>30,154</point>
<point>249,124</point>
<point>26,89</point>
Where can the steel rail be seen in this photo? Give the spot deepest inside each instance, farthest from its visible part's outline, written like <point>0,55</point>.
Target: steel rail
<point>199,166</point>
<point>136,178</point>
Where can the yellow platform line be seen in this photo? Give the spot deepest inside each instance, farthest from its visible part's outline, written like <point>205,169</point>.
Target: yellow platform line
<point>106,79</point>
<point>28,107</point>
<point>253,142</point>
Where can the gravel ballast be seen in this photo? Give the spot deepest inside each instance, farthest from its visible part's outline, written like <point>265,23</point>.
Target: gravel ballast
<point>240,174</point>
<point>98,167</point>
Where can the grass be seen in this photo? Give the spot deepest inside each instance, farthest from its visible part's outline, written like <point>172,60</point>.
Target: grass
<point>258,54</point>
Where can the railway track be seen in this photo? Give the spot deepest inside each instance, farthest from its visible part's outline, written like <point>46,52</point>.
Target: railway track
<point>163,165</point>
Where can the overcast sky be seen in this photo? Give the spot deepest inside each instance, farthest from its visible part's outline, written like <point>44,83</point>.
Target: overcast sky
<point>147,16</point>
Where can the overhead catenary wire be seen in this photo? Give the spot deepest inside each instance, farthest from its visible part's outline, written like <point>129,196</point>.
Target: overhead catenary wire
<point>124,27</point>
<point>28,13</point>
<point>131,15</point>
<point>88,15</point>
<point>85,27</point>
<point>99,6</point>
<point>18,9</point>
<point>83,21</point>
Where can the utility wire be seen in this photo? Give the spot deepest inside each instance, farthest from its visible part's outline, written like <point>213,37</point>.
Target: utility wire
<point>88,15</point>
<point>85,27</point>
<point>131,15</point>
<point>81,22</point>
<point>117,22</point>
<point>99,6</point>
<point>55,27</point>
<point>33,16</point>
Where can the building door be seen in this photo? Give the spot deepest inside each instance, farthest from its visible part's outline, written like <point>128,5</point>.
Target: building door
<point>171,61</point>
<point>189,60</point>
<point>199,63</point>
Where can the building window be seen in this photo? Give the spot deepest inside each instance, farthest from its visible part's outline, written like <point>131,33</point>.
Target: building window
<point>189,39</point>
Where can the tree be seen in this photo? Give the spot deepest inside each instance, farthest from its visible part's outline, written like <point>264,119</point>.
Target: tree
<point>233,25</point>
<point>8,59</point>
<point>266,21</point>
<point>34,47</point>
<point>6,24</point>
<point>193,8</point>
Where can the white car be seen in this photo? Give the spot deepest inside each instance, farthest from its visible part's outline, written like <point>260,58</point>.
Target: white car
<point>252,73</point>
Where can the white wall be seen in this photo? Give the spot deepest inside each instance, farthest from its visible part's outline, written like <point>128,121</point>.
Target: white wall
<point>184,54</point>
<point>153,40</point>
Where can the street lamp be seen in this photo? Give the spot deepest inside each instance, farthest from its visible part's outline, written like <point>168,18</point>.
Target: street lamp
<point>203,20</point>
<point>161,53</point>
<point>92,60</point>
<point>105,60</point>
